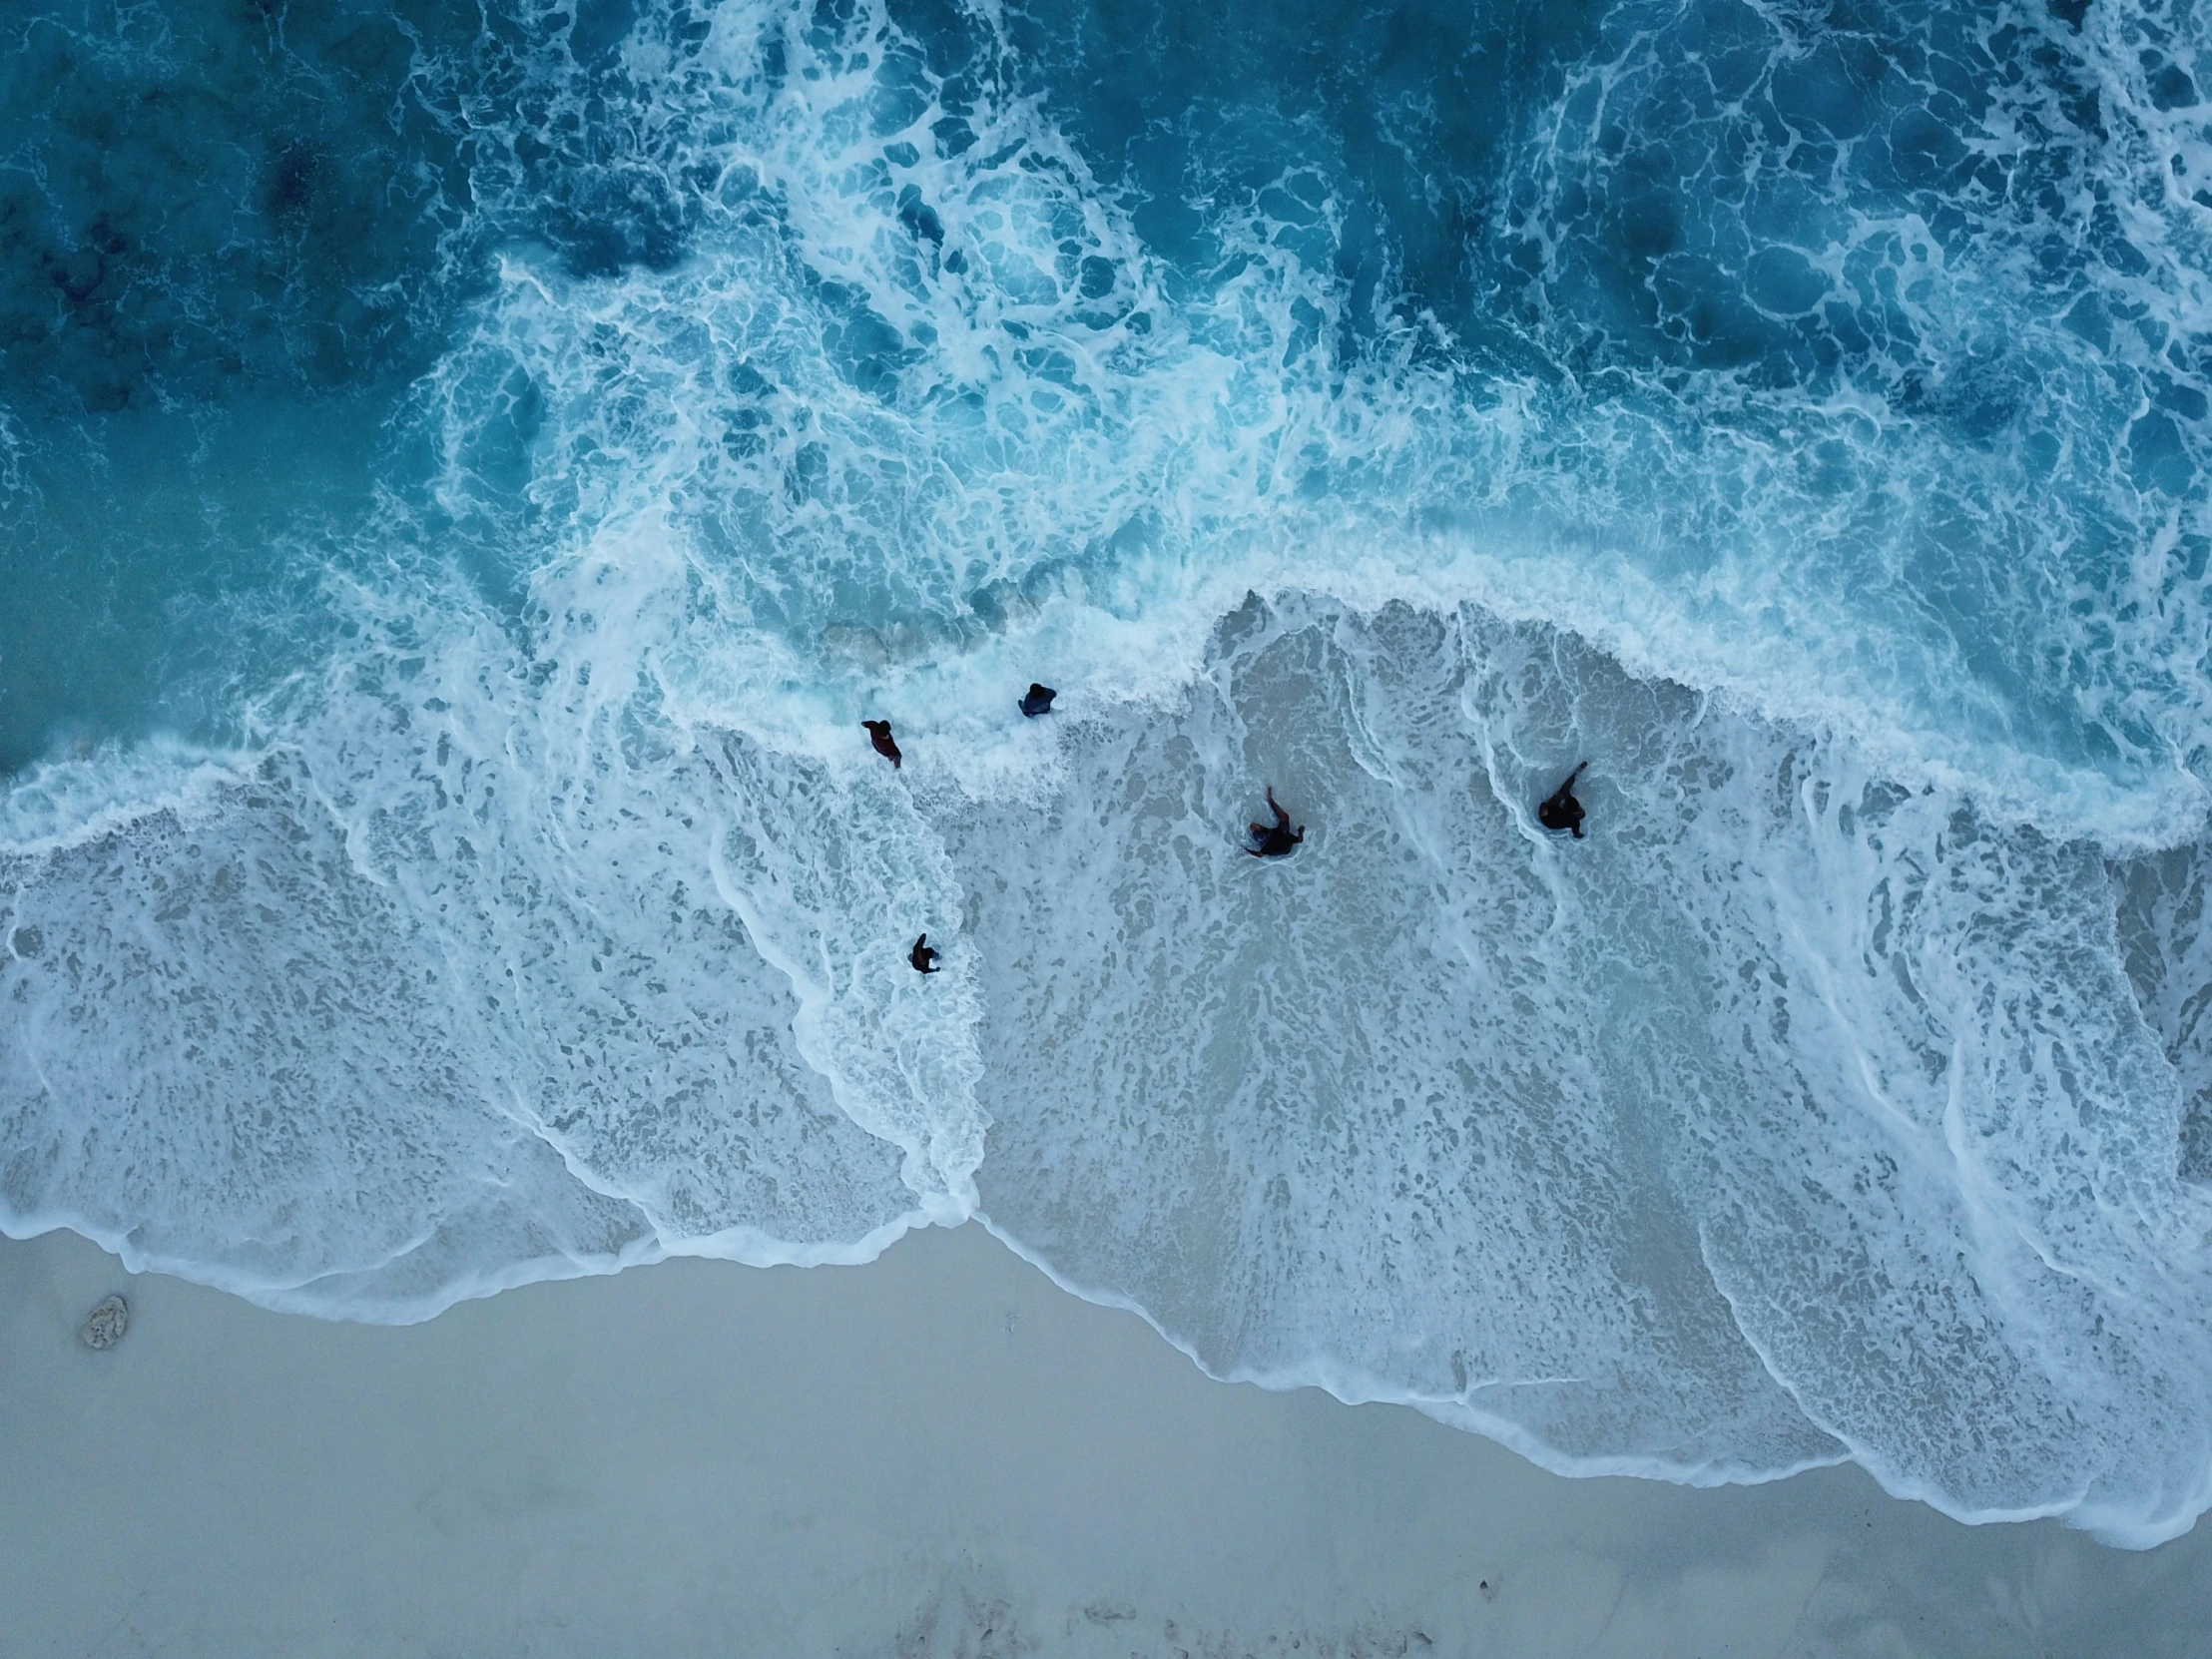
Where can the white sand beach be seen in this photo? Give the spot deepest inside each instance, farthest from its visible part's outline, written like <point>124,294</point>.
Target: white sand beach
<point>939,1453</point>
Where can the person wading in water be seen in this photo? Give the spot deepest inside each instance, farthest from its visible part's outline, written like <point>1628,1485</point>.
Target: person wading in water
<point>1561,809</point>
<point>879,736</point>
<point>923,955</point>
<point>1278,841</point>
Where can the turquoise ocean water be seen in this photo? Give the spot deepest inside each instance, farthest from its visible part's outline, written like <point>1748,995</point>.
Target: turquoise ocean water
<point>467,472</point>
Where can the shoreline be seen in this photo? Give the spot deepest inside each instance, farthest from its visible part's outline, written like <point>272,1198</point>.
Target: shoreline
<point>939,1453</point>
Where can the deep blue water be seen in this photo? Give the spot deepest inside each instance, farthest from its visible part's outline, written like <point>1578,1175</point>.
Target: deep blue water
<point>465,473</point>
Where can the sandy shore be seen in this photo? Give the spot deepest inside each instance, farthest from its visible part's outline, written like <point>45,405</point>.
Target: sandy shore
<point>941,1454</point>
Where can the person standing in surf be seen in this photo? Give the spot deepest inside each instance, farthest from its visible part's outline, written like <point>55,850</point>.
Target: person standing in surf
<point>1561,809</point>
<point>1279,840</point>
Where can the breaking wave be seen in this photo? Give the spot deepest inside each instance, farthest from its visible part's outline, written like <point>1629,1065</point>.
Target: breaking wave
<point>440,851</point>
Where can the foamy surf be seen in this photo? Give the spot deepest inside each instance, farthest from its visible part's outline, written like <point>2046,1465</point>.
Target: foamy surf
<point>526,900</point>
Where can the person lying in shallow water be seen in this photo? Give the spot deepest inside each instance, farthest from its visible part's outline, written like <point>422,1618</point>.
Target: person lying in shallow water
<point>1274,842</point>
<point>1561,809</point>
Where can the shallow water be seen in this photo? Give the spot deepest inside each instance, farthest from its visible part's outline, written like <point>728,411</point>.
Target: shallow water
<point>462,484</point>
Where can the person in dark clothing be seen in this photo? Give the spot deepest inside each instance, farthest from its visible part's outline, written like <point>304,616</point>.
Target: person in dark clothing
<point>923,955</point>
<point>879,734</point>
<point>1278,841</point>
<point>1040,700</point>
<point>1561,809</point>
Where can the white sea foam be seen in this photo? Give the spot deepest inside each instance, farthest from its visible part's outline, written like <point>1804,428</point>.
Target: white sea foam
<point>1843,1095</point>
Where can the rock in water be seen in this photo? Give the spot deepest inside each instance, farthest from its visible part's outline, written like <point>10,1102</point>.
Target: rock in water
<point>105,1325</point>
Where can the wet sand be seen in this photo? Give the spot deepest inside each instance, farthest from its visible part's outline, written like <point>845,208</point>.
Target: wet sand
<point>939,1453</point>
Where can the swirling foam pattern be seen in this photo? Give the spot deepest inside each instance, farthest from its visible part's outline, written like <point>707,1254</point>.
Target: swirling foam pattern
<point>463,479</point>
